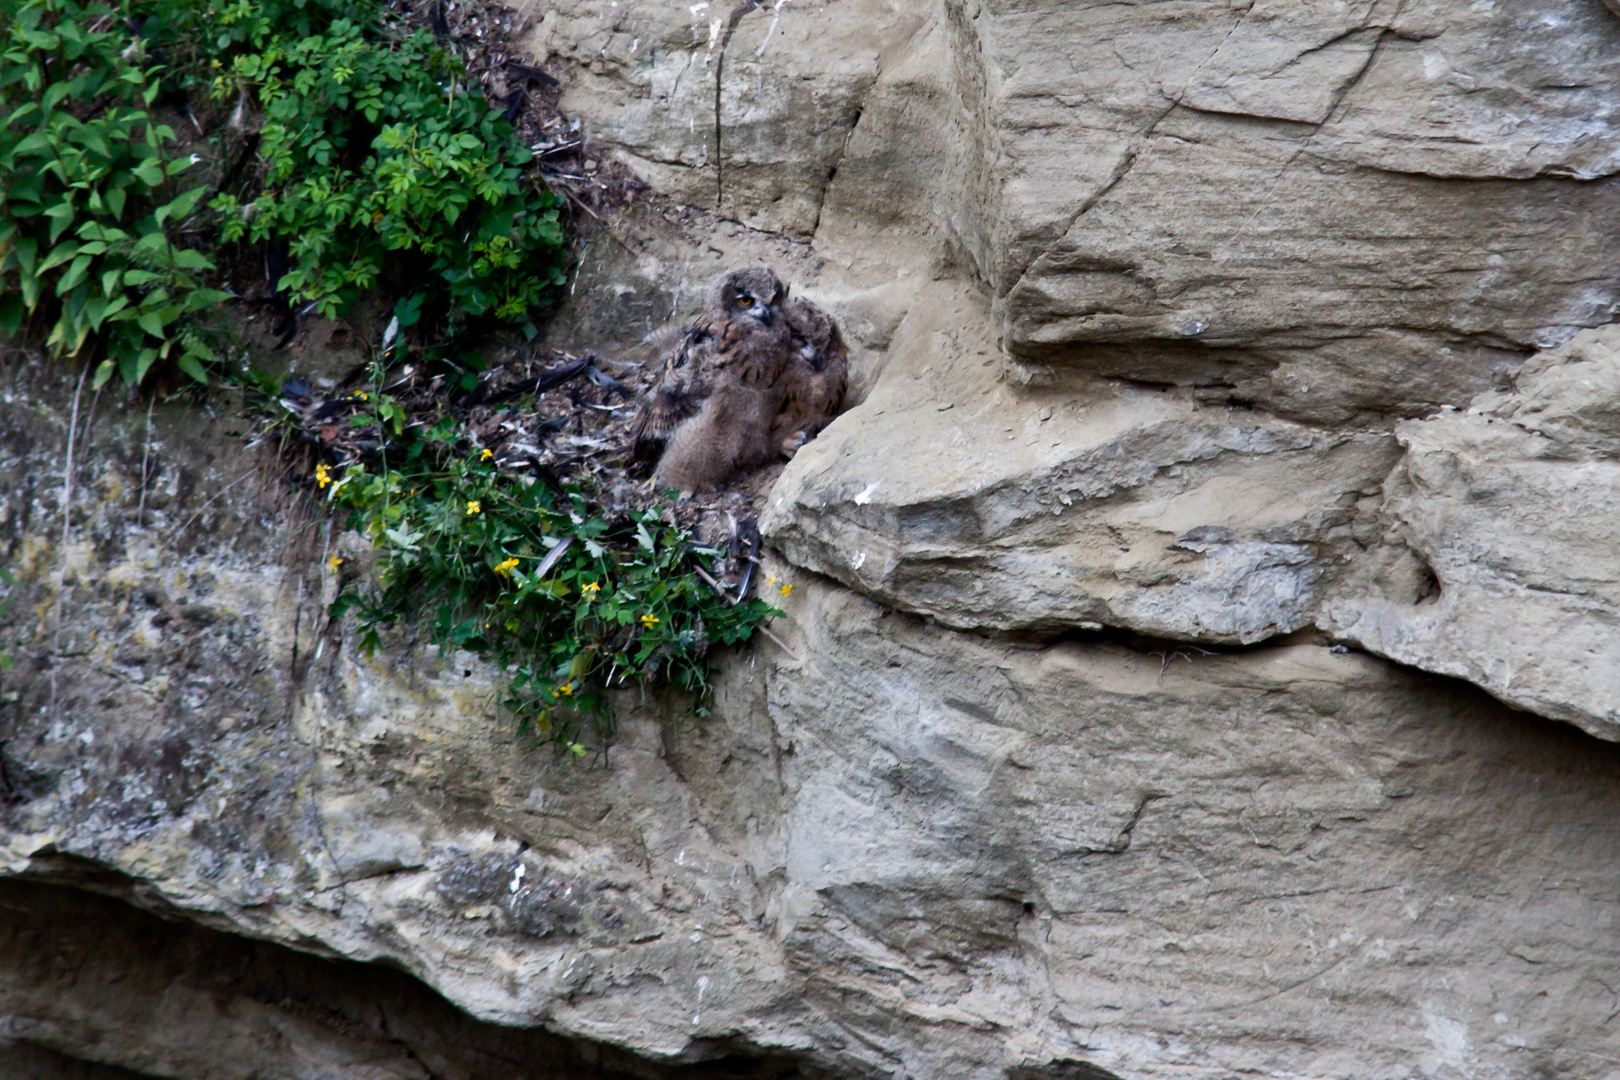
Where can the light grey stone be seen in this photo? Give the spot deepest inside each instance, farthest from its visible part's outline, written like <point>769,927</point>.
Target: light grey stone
<point>1114,506</point>
<point>1499,562</point>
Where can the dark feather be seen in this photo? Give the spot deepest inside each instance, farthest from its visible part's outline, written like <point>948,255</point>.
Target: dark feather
<point>663,412</point>
<point>519,98</point>
<point>546,380</point>
<point>530,72</point>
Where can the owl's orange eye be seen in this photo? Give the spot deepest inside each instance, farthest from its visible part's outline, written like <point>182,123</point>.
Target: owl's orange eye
<point>745,301</point>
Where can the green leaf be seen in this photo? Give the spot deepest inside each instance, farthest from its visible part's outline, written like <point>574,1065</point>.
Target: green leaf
<point>32,144</point>
<point>26,253</point>
<point>76,273</point>
<point>187,259</point>
<point>189,364</point>
<point>60,254</point>
<point>104,371</point>
<point>11,313</point>
<point>152,323</point>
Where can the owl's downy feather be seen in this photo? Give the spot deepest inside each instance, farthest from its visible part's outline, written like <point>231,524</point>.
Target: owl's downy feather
<point>738,339</point>
<point>755,376</point>
<point>814,379</point>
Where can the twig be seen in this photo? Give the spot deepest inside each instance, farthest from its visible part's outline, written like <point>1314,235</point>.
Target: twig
<point>207,504</point>
<point>67,521</point>
<point>146,453</point>
<point>779,642</point>
<point>719,588</point>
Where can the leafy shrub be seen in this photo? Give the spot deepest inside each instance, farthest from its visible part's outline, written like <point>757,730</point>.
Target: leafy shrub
<point>84,227</point>
<point>374,149</point>
<point>530,577</point>
<point>372,158</point>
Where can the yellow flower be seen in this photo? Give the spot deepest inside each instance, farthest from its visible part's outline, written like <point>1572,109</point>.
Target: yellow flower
<point>506,567</point>
<point>786,590</point>
<point>486,455</point>
<point>322,477</point>
<point>590,589</point>
<point>362,395</point>
<point>474,508</point>
<point>770,579</point>
<point>566,689</point>
<point>334,562</point>
<point>649,620</point>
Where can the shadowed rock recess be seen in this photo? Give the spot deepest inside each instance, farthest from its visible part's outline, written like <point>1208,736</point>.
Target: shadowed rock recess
<point>1202,654</point>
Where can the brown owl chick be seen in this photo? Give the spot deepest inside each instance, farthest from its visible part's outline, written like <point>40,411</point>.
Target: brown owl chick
<point>813,379</point>
<point>712,412</point>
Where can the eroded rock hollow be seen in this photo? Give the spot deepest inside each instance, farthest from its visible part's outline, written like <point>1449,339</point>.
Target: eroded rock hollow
<point>1203,653</point>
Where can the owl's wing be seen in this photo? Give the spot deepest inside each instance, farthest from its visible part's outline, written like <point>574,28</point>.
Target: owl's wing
<point>679,394</point>
<point>660,415</point>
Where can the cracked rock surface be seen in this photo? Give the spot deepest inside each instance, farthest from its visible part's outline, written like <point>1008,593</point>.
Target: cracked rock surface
<point>1498,564</point>
<point>1200,660</point>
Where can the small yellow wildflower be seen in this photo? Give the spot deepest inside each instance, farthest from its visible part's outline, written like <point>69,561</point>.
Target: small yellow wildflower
<point>770,579</point>
<point>649,620</point>
<point>486,455</point>
<point>474,508</point>
<point>334,562</point>
<point>566,689</point>
<point>787,590</point>
<point>506,567</point>
<point>589,590</point>
<point>322,477</point>
<point>362,395</point>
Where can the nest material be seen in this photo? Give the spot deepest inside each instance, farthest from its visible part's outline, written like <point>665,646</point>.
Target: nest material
<point>553,416</point>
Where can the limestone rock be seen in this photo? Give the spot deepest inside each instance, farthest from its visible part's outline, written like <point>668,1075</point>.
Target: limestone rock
<point>897,849</point>
<point>1499,563</point>
<point>1327,208</point>
<point>794,78</point>
<point>948,495</point>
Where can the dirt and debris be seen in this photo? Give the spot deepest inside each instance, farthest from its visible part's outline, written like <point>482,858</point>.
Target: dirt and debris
<point>555,417</point>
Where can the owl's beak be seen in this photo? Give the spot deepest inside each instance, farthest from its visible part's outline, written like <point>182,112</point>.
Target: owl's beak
<point>765,315</point>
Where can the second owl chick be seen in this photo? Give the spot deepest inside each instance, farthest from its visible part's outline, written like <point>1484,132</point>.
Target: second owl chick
<point>814,379</point>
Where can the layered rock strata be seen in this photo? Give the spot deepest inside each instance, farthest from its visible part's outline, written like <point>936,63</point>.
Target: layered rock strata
<point>1076,764</point>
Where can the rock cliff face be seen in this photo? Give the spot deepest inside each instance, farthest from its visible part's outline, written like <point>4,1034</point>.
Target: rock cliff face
<point>1202,654</point>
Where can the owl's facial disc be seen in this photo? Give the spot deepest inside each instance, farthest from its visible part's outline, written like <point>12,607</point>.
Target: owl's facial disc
<point>754,308</point>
